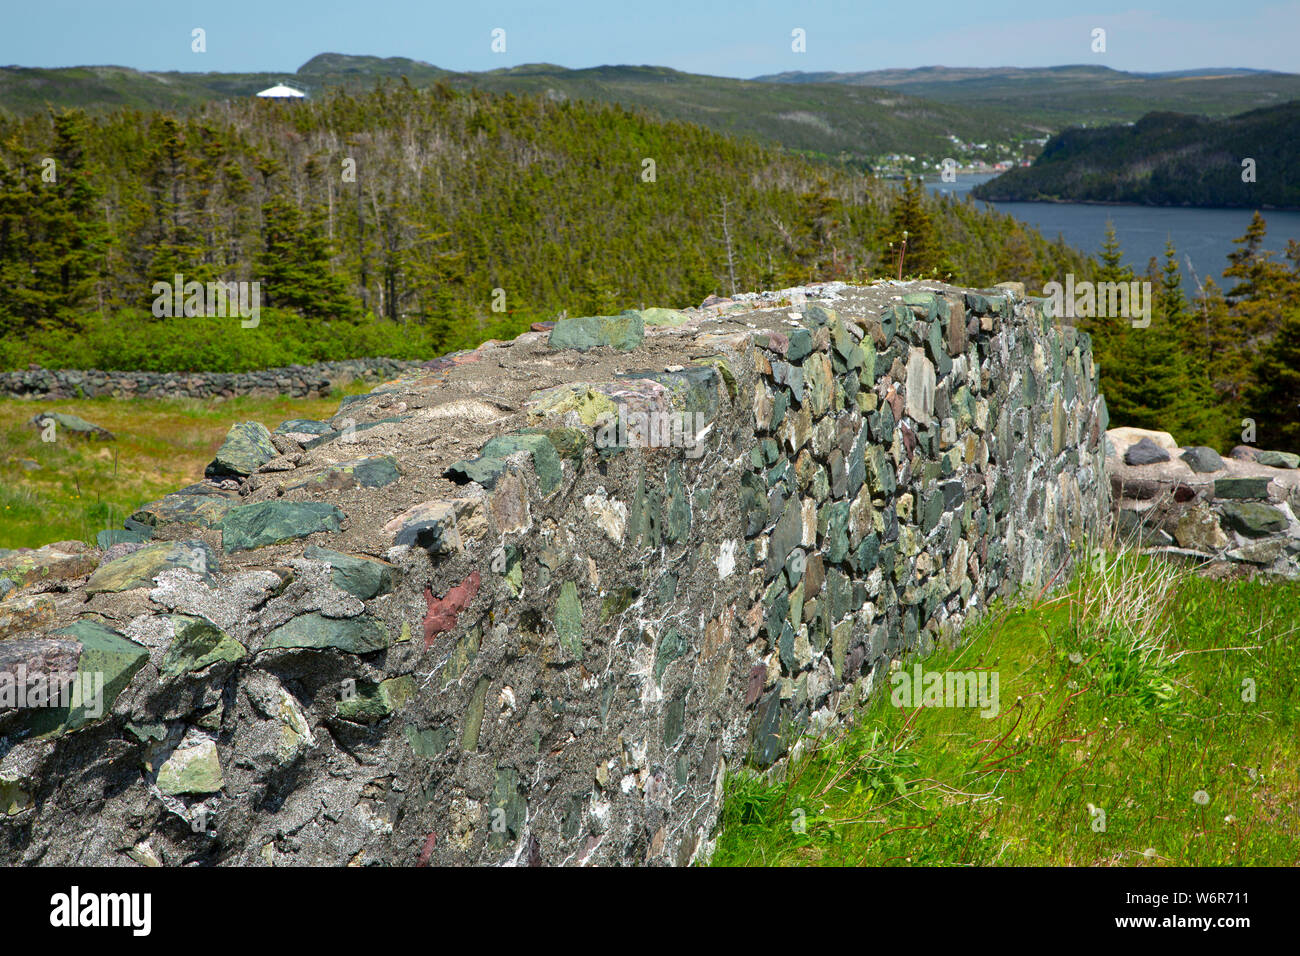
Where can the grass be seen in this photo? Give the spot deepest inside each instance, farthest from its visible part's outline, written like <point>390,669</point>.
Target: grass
<point>83,487</point>
<point>1123,738</point>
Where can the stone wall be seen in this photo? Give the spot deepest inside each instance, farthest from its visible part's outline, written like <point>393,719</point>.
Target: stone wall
<point>1224,515</point>
<point>298,381</point>
<point>532,604</point>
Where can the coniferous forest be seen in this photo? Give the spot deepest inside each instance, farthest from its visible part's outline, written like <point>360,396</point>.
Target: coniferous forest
<point>413,222</point>
<point>384,222</point>
<point>1215,368</point>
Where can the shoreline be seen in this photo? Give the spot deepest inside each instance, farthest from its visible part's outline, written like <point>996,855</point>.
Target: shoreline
<point>1262,207</point>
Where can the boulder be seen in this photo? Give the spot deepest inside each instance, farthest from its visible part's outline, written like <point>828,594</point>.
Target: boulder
<point>1198,529</point>
<point>1202,459</point>
<point>247,447</point>
<point>139,568</point>
<point>1119,440</point>
<point>1278,459</point>
<point>61,561</point>
<point>620,332</point>
<point>63,422</point>
<point>274,522</point>
<point>1145,452</point>
<point>1253,519</point>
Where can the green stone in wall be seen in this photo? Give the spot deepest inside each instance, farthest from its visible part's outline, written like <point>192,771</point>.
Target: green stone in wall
<point>868,553</point>
<point>674,721</point>
<point>796,602</point>
<point>820,484</point>
<point>1253,487</point>
<point>817,381</point>
<point>785,649</point>
<point>753,503</point>
<point>801,343</point>
<point>355,635</point>
<point>273,522</point>
<point>474,715</point>
<point>507,809</point>
<point>568,619</point>
<point>198,643</point>
<point>837,531</point>
<point>924,305</point>
<point>785,537</point>
<point>780,403</point>
<point>428,743</point>
<point>1253,518</point>
<point>364,578</point>
<point>465,652</point>
<point>620,332</point>
<point>938,350</point>
<point>107,661</point>
<point>888,327</point>
<point>678,522</point>
<point>373,702</point>
<point>672,646</point>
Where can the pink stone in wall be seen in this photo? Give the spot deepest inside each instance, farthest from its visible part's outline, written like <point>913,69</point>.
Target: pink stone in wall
<point>429,843</point>
<point>443,611</point>
<point>757,678</point>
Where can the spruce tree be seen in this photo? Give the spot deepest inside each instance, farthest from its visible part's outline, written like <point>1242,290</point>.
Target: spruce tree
<point>1273,398</point>
<point>294,266</point>
<point>1110,334</point>
<point>910,225</point>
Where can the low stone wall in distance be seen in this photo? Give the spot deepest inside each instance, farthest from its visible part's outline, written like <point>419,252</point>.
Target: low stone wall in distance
<point>297,381</point>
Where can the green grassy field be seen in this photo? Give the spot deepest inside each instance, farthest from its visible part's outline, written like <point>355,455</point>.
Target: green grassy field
<point>82,487</point>
<point>1126,736</point>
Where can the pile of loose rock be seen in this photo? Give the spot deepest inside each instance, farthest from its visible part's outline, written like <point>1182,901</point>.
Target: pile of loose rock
<point>1190,503</point>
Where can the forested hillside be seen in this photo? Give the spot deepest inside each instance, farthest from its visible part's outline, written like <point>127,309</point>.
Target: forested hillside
<point>833,121</point>
<point>1076,94</point>
<point>1168,159</point>
<point>385,222</point>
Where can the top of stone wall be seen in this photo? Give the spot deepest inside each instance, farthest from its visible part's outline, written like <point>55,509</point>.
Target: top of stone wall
<point>368,478</point>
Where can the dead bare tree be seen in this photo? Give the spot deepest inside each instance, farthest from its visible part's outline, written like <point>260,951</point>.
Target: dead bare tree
<point>726,238</point>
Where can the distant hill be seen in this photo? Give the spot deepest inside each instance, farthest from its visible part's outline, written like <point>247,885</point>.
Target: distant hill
<point>859,117</point>
<point>1167,159</point>
<point>834,120</point>
<point>1076,94</point>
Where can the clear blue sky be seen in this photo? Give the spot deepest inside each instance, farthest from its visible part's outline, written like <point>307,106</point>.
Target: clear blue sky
<point>742,38</point>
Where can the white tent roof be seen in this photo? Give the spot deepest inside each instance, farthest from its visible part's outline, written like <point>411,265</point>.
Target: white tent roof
<point>280,90</point>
